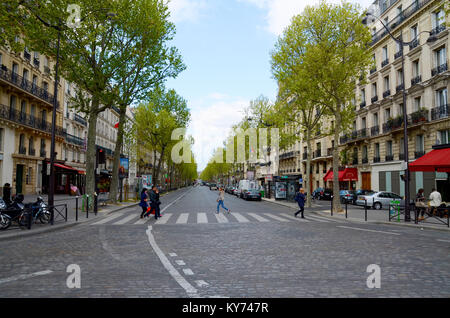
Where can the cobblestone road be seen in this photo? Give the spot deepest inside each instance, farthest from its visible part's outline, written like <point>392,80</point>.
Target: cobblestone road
<point>259,250</point>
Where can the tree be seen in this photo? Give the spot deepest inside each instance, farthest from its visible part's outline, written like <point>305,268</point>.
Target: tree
<point>334,47</point>
<point>95,56</point>
<point>10,25</point>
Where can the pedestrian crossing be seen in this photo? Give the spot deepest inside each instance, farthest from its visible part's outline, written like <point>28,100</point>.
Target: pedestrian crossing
<point>210,218</point>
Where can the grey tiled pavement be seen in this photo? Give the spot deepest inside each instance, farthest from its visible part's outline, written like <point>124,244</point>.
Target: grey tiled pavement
<point>277,258</point>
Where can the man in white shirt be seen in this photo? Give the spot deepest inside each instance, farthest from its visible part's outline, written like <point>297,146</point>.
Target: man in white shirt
<point>435,199</point>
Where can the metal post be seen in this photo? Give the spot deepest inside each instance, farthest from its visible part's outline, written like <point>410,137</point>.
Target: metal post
<point>65,205</point>
<point>365,209</point>
<point>76,209</point>
<point>51,191</point>
<point>30,217</point>
<point>405,139</point>
<point>346,204</point>
<point>331,205</point>
<point>87,206</point>
<point>95,204</point>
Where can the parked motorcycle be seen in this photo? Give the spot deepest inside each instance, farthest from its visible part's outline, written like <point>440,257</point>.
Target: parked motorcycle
<point>12,213</point>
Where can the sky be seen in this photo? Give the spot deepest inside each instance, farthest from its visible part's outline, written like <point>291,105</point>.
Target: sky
<point>226,46</point>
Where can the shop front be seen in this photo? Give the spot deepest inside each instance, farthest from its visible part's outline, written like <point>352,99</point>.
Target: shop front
<point>347,178</point>
<point>66,177</point>
<point>286,187</point>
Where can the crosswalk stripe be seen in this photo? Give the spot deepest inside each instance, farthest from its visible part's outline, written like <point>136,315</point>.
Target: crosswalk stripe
<point>164,219</point>
<point>221,218</point>
<point>126,219</point>
<point>141,221</point>
<point>182,219</point>
<point>330,220</point>
<point>240,218</point>
<point>201,218</point>
<point>317,219</point>
<point>275,217</point>
<point>259,218</point>
<point>109,218</point>
<point>294,218</point>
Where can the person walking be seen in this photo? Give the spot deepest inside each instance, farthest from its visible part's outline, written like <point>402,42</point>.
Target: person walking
<point>420,204</point>
<point>7,193</point>
<point>154,201</point>
<point>300,198</point>
<point>435,200</point>
<point>144,202</point>
<point>220,200</point>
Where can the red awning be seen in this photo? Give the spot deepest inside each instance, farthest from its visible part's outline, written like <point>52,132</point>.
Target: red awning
<point>65,167</point>
<point>436,160</point>
<point>348,174</point>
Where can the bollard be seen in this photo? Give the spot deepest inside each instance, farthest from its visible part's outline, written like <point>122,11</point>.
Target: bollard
<point>66,210</point>
<point>95,203</point>
<point>365,209</point>
<point>346,204</point>
<point>331,205</point>
<point>87,206</point>
<point>76,209</point>
<point>29,218</point>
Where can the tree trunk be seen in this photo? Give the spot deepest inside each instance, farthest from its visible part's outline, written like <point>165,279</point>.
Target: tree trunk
<point>308,168</point>
<point>336,198</point>
<point>117,152</point>
<point>158,170</point>
<point>154,167</point>
<point>91,151</point>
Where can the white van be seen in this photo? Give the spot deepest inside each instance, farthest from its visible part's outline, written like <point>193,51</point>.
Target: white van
<point>245,185</point>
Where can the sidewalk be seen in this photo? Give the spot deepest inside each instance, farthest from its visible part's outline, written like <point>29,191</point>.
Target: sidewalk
<point>357,214</point>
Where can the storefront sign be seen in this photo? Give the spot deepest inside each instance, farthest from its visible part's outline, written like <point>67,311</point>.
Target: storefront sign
<point>123,168</point>
<point>269,177</point>
<point>146,180</point>
<point>280,190</point>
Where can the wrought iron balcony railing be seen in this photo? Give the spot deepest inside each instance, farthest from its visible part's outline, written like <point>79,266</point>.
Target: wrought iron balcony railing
<point>375,131</point>
<point>389,158</point>
<point>27,55</point>
<point>42,153</point>
<point>438,29</point>
<point>80,119</point>
<point>22,150</point>
<point>419,116</point>
<point>385,62</point>
<point>374,99</point>
<point>363,104</point>
<point>437,70</point>
<point>440,112</point>
<point>386,93</point>
<point>376,159</point>
<point>414,44</point>
<point>31,152</point>
<point>398,54</point>
<point>74,140</point>
<point>365,160</point>
<point>399,88</point>
<point>416,80</point>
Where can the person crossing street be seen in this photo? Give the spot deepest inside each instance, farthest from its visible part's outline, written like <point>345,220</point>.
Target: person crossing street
<point>220,200</point>
<point>300,198</point>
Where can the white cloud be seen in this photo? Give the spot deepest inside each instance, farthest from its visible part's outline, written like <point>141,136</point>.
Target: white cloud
<point>186,10</point>
<point>280,12</point>
<point>212,119</point>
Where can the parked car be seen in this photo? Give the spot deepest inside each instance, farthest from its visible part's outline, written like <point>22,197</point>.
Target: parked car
<point>316,194</point>
<point>245,185</point>
<point>327,195</point>
<point>360,193</point>
<point>379,200</point>
<point>251,194</point>
<point>213,186</point>
<point>347,196</point>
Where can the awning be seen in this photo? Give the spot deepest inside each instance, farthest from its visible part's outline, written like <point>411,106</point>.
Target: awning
<point>348,174</point>
<point>65,167</point>
<point>436,160</point>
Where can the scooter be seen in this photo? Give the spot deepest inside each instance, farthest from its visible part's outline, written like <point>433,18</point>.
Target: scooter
<point>11,213</point>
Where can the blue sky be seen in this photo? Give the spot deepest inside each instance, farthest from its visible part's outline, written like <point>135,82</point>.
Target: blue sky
<point>226,47</point>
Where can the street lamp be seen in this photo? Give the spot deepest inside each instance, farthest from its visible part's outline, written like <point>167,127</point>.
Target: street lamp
<point>401,43</point>
<point>59,28</point>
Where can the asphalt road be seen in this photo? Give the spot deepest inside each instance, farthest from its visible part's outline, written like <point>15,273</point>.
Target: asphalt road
<point>258,250</point>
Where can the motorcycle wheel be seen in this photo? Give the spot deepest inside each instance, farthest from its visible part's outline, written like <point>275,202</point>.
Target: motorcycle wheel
<point>44,217</point>
<point>22,220</point>
<point>5,222</point>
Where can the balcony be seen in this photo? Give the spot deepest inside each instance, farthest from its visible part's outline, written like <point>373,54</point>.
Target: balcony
<point>288,155</point>
<point>29,121</point>
<point>344,139</point>
<point>399,88</point>
<point>74,140</point>
<point>22,83</point>
<point>365,160</point>
<point>416,80</point>
<point>389,158</point>
<point>373,70</point>
<point>305,155</point>
<point>31,152</point>
<point>398,54</point>
<point>318,153</point>
<point>80,119</point>
<point>440,112</point>
<point>440,69</point>
<point>36,62</point>
<point>329,152</point>
<point>401,156</point>
<point>385,62</point>
<point>363,133</point>
<point>376,159</point>
<point>414,44</point>
<point>420,116</point>
<point>375,131</point>
<point>22,150</point>
<point>363,104</point>
<point>437,30</point>
<point>393,124</point>
<point>42,153</point>
<point>386,93</point>
<point>418,154</point>
<point>374,99</point>
<point>27,55</point>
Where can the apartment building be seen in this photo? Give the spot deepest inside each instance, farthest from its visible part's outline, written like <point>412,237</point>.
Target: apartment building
<point>375,146</point>
<point>26,106</point>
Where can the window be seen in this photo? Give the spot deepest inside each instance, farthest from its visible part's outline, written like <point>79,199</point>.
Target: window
<point>389,148</point>
<point>377,150</point>
<point>21,141</point>
<point>417,102</point>
<point>364,152</point>
<point>415,68</point>
<point>29,175</point>
<point>1,139</point>
<point>440,56</point>
<point>386,83</point>
<point>443,137</point>
<point>31,144</point>
<point>387,114</point>
<point>401,146</point>
<point>354,125</point>
<point>419,143</point>
<point>400,77</point>
<point>363,123</point>
<point>414,32</point>
<point>441,97</point>
<point>438,18</point>
<point>25,74</point>
<point>363,95</point>
<point>15,68</point>
<point>385,53</point>
<point>36,55</point>
<point>400,109</point>
<point>374,89</point>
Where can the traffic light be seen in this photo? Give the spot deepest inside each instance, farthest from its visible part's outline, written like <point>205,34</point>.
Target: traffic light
<point>101,156</point>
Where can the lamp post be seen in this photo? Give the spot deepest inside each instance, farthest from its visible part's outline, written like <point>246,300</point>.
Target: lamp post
<point>405,116</point>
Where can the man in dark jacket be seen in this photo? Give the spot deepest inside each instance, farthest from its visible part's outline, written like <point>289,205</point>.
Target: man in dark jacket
<point>300,198</point>
<point>155,203</point>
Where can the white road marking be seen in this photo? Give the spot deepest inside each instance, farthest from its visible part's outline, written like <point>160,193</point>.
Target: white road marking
<point>359,229</point>
<point>330,220</point>
<point>201,218</point>
<point>276,217</point>
<point>221,218</point>
<point>444,241</point>
<point>192,292</point>
<point>24,276</point>
<point>182,219</point>
<point>142,221</point>
<point>181,196</point>
<point>259,218</point>
<point>173,254</point>
<point>126,219</point>
<point>317,220</point>
<point>109,218</point>
<point>294,218</point>
<point>164,219</point>
<point>181,263</point>
<point>188,271</point>
<point>201,283</point>
<point>240,218</point>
